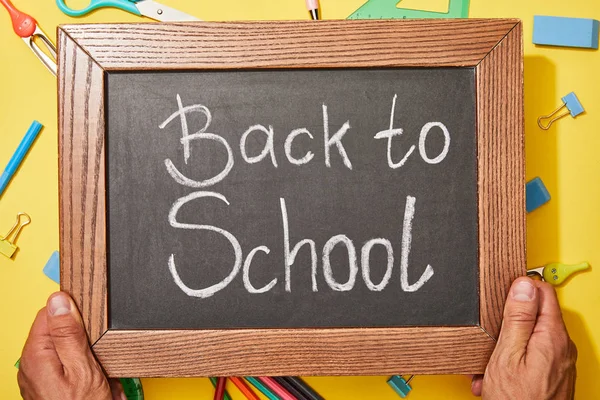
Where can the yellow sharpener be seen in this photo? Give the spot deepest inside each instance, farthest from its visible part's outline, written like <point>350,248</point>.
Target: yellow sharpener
<point>8,248</point>
<point>557,273</point>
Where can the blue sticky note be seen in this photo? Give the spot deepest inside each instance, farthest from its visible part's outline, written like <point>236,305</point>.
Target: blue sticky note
<point>52,268</point>
<point>399,385</point>
<point>536,194</point>
<point>567,32</point>
<point>573,104</point>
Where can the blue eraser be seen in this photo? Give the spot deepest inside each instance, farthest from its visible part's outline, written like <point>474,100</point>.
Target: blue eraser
<point>536,194</point>
<point>567,32</point>
<point>399,385</point>
<point>573,104</point>
<point>52,268</point>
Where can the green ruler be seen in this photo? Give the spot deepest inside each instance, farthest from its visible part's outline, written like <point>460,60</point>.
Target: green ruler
<point>388,9</point>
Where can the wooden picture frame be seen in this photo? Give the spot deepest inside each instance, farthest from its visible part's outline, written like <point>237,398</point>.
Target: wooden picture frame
<point>89,52</point>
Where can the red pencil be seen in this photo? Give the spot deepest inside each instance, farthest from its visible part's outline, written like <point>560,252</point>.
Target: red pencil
<point>250,395</point>
<point>220,389</point>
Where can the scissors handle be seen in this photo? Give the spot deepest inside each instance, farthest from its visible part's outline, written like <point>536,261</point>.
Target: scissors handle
<point>124,5</point>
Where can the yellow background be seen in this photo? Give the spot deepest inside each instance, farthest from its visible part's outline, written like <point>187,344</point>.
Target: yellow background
<point>566,158</point>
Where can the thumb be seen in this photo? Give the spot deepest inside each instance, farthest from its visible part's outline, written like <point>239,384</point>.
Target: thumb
<point>67,332</point>
<point>520,315</point>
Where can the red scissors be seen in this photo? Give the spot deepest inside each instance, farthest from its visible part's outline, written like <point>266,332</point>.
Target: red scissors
<point>27,29</point>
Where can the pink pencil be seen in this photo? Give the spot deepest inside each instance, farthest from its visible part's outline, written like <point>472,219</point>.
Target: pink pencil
<point>276,388</point>
<point>313,8</point>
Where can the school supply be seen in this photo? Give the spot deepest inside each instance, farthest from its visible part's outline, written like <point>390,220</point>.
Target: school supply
<point>400,385</point>
<point>384,9</point>
<point>557,273</point>
<point>573,105</point>
<point>313,8</point>
<point>536,194</point>
<point>276,388</point>
<point>8,248</point>
<point>244,388</point>
<point>27,29</point>
<point>289,388</point>
<point>303,387</point>
<point>147,8</point>
<point>226,395</point>
<point>262,388</point>
<point>567,32</point>
<point>220,389</point>
<point>133,388</point>
<point>52,267</point>
<point>19,155</point>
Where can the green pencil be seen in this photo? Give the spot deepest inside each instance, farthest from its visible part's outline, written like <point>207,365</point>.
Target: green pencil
<point>262,388</point>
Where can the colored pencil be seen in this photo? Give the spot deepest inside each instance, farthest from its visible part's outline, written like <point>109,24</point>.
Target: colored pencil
<point>19,155</point>
<point>262,388</point>
<point>290,388</point>
<point>220,389</point>
<point>313,8</point>
<point>226,395</point>
<point>303,387</point>
<point>244,388</point>
<point>276,388</point>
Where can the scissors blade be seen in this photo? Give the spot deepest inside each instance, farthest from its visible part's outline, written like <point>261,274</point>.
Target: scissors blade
<point>536,271</point>
<point>159,12</point>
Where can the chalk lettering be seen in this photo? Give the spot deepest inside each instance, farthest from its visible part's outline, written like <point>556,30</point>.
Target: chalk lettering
<point>188,138</point>
<point>390,134</point>
<point>268,145</point>
<point>290,256</point>
<point>288,147</point>
<point>335,139</point>
<point>247,284</point>
<point>409,213</point>
<point>211,290</point>
<point>352,266</point>
<point>366,267</point>
<point>423,138</point>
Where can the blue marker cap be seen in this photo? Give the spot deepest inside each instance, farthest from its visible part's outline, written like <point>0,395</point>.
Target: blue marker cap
<point>573,104</point>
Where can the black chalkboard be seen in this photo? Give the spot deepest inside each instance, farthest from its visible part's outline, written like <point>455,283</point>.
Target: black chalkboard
<point>149,181</point>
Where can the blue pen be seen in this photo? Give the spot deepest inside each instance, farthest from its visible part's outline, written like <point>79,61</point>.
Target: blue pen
<point>262,388</point>
<point>19,155</point>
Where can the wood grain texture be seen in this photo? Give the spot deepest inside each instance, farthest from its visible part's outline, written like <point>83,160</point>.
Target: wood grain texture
<point>291,44</point>
<point>82,186</point>
<point>494,47</point>
<point>501,159</point>
<point>280,352</point>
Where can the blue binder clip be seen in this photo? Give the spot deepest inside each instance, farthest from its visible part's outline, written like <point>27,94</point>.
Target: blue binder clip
<point>573,105</point>
<point>400,385</point>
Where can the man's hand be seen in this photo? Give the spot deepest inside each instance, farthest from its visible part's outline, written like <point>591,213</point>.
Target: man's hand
<point>534,358</point>
<point>57,363</point>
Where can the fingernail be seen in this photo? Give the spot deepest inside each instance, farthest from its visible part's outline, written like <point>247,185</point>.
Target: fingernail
<point>123,396</point>
<point>59,305</point>
<point>523,291</point>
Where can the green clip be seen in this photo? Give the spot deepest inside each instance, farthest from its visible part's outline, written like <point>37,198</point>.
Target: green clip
<point>388,9</point>
<point>557,273</point>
